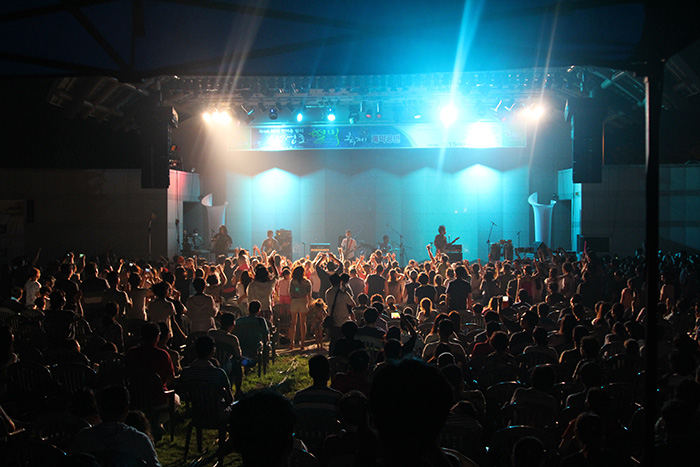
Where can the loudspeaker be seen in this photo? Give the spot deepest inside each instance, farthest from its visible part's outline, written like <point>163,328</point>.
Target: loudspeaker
<point>155,157</point>
<point>284,238</point>
<point>586,116</point>
<point>454,256</point>
<point>156,128</point>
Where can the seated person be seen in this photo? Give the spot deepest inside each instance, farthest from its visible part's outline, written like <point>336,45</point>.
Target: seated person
<point>370,328</point>
<point>203,371</point>
<point>541,345</point>
<point>252,330</point>
<point>318,400</point>
<point>113,434</point>
<point>150,357</point>
<point>352,442</point>
<point>542,378</point>
<point>357,376</point>
<point>410,437</point>
<point>225,338</point>
<point>262,429</point>
<point>347,344</point>
<point>445,331</point>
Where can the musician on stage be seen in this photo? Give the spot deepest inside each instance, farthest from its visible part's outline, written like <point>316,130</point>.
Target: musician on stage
<point>270,244</point>
<point>440,241</point>
<point>385,245</point>
<point>221,242</point>
<point>348,246</point>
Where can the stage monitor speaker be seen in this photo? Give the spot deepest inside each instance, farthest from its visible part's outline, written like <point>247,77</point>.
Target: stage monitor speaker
<point>454,256</point>
<point>586,116</point>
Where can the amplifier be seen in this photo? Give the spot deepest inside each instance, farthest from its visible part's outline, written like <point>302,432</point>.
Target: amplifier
<point>319,248</point>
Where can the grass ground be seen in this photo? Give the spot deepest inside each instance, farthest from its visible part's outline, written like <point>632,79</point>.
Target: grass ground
<point>287,375</point>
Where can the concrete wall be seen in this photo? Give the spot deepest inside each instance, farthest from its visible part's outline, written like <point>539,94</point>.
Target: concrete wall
<point>92,210</point>
<point>616,207</point>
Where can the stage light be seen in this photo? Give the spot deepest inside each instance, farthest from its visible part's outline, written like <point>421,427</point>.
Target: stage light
<point>354,116</point>
<point>378,114</point>
<point>300,116</point>
<point>225,117</point>
<point>247,113</point>
<point>364,109</point>
<point>330,115</point>
<point>273,114</point>
<point>532,112</point>
<point>207,117</point>
<point>448,114</point>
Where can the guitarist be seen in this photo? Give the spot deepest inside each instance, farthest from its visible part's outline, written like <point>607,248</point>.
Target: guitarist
<point>440,241</point>
<point>270,244</point>
<point>348,246</point>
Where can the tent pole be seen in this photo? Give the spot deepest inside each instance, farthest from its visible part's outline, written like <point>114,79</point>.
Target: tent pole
<point>653,84</point>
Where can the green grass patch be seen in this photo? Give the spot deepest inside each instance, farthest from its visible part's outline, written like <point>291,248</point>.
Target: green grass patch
<point>287,375</point>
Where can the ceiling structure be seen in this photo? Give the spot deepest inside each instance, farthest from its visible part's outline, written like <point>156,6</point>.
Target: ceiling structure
<point>116,60</point>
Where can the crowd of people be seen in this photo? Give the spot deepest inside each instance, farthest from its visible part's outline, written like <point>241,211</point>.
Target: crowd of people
<point>404,355</point>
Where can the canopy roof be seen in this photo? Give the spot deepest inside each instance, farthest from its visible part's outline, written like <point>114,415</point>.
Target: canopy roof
<point>132,40</point>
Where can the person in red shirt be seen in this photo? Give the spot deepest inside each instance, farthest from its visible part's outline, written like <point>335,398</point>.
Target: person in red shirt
<point>150,357</point>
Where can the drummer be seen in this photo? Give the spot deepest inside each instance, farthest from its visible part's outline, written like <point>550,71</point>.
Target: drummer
<point>385,245</point>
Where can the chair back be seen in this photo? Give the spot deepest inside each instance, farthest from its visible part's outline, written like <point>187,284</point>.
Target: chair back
<point>30,377</point>
<point>250,336</point>
<point>498,374</point>
<point>504,439</point>
<point>6,314</point>
<point>528,361</point>
<point>72,377</point>
<point>299,458</point>
<point>59,428</point>
<point>425,328</point>
<point>145,388</point>
<point>313,429</point>
<point>373,346</point>
<point>91,345</point>
<point>499,395</point>
<point>208,404</point>
<point>16,321</point>
<point>224,354</point>
<point>30,453</point>
<point>338,365</point>
<point>466,440</point>
<point>528,414</point>
<point>113,458</point>
<point>112,370</point>
<point>609,350</point>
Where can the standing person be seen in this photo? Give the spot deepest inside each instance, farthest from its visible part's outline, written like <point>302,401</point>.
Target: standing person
<point>348,246</point>
<point>340,304</point>
<point>161,310</point>
<point>385,245</point>
<point>300,292</point>
<point>138,297</point>
<point>356,283</point>
<point>459,291</point>
<point>440,240</point>
<point>201,308</point>
<point>32,288</point>
<point>270,243</point>
<point>262,287</point>
<point>221,242</point>
<point>376,284</point>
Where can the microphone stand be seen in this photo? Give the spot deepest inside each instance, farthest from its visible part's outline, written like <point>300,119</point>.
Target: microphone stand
<point>402,251</point>
<point>488,242</point>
